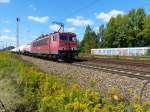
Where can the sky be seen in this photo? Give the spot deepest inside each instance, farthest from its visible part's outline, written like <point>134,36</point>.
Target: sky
<point>36,16</point>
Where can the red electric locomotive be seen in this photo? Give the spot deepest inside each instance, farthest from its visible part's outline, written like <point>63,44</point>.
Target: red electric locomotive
<point>58,45</point>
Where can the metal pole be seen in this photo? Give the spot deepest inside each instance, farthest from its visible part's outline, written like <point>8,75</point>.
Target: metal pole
<point>1,45</point>
<point>17,31</point>
<point>6,45</point>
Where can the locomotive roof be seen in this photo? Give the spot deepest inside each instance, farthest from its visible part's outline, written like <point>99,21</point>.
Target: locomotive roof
<point>44,36</point>
<point>67,33</point>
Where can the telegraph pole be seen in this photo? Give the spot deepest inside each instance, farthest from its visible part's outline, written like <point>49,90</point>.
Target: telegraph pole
<point>2,45</point>
<point>17,31</point>
<point>6,44</point>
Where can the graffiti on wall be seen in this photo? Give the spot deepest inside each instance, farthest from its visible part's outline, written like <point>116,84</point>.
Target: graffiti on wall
<point>120,51</point>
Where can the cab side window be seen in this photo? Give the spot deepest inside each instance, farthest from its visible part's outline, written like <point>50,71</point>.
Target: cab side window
<point>40,42</point>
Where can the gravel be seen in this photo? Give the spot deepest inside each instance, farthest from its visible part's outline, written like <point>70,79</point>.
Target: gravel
<point>104,82</point>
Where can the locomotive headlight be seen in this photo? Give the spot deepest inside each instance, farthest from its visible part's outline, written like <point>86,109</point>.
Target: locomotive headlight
<point>62,48</point>
<point>74,48</point>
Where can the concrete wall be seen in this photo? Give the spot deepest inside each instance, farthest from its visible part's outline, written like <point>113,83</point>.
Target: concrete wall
<point>136,51</point>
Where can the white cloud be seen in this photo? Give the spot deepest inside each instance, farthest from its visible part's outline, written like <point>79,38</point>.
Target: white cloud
<point>4,1</point>
<point>7,38</point>
<point>79,21</point>
<point>71,29</point>
<point>106,16</point>
<point>96,28</point>
<point>34,37</point>
<point>7,31</point>
<point>37,19</point>
<point>32,7</point>
<point>54,27</point>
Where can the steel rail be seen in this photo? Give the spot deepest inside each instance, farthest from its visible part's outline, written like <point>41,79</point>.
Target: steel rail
<point>121,71</point>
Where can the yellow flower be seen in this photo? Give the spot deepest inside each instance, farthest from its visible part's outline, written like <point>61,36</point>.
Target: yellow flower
<point>115,97</point>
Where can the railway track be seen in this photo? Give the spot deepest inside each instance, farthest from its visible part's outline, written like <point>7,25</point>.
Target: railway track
<point>133,73</point>
<point>143,75</point>
<point>137,63</point>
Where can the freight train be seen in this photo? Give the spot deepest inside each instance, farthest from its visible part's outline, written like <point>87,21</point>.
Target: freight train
<point>58,45</point>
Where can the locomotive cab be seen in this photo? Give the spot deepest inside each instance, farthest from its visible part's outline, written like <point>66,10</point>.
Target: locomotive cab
<point>67,45</point>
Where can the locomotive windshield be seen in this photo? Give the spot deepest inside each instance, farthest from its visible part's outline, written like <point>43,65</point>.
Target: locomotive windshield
<point>72,39</point>
<point>68,38</point>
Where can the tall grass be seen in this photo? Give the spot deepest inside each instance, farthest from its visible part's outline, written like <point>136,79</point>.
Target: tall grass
<point>49,93</point>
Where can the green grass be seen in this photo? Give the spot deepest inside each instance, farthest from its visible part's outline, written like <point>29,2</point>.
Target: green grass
<point>8,82</point>
<point>26,88</point>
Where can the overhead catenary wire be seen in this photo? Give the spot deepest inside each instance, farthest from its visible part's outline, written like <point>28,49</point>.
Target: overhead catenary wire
<point>87,6</point>
<point>77,11</point>
<point>81,9</point>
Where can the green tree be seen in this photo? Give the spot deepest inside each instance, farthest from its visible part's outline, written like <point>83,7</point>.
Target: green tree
<point>130,30</point>
<point>136,18</point>
<point>146,31</point>
<point>89,41</point>
<point>100,36</point>
<point>109,34</point>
